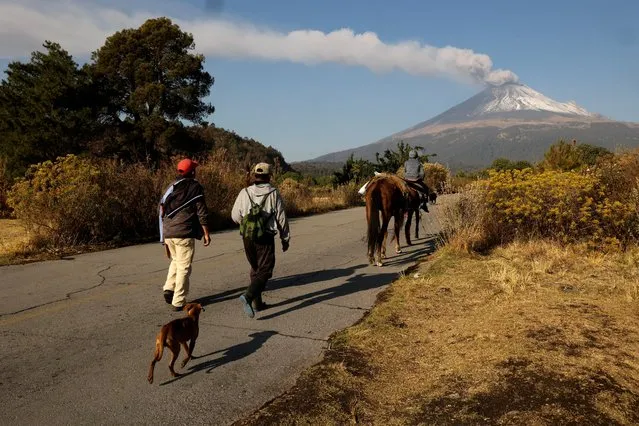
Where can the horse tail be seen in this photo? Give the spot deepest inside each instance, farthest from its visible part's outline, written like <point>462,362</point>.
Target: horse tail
<point>372,213</point>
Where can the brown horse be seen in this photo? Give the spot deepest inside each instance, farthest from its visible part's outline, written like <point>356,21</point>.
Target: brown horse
<point>390,196</point>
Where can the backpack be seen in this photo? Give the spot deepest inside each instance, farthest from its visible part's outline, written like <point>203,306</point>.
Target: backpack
<point>254,225</point>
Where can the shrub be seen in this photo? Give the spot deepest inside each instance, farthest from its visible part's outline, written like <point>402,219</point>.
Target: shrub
<point>501,164</point>
<point>572,156</point>
<point>348,195</point>
<point>436,176</point>
<point>298,198</point>
<point>62,197</point>
<point>222,178</point>
<point>464,222</point>
<point>619,174</point>
<point>569,207</point>
<point>131,193</point>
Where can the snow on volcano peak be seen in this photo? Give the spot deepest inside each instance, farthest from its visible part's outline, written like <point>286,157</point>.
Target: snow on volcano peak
<point>512,97</point>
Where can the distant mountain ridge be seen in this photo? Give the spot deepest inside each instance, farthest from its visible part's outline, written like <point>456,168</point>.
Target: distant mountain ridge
<point>511,120</point>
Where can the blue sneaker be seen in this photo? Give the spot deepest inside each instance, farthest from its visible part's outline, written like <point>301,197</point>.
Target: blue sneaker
<point>248,309</point>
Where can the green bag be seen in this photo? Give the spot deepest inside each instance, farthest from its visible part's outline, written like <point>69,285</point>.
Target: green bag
<point>254,225</point>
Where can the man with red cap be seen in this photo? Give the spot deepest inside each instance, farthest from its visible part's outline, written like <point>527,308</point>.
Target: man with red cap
<point>183,219</point>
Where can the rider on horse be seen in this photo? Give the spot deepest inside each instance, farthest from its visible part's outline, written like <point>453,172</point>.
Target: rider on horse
<point>414,176</point>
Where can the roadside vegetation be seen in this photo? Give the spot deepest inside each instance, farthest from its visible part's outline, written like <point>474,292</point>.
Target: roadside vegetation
<point>527,315</point>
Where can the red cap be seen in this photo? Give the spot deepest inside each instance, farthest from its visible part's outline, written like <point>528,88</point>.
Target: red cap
<point>186,166</point>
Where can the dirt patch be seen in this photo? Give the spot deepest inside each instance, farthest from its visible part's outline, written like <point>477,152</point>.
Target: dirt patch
<point>492,339</point>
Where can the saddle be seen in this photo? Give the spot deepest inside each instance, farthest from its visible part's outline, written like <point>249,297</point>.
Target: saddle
<point>416,186</point>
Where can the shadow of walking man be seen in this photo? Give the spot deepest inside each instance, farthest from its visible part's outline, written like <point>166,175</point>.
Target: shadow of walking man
<point>232,354</point>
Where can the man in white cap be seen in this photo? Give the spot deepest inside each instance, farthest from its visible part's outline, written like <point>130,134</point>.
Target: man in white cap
<point>259,210</point>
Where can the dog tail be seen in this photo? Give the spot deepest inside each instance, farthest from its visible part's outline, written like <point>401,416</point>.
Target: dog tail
<point>160,341</point>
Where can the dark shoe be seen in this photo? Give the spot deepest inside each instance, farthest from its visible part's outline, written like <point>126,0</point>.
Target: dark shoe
<point>177,308</point>
<point>248,309</point>
<point>258,305</point>
<point>168,296</point>
<point>424,207</point>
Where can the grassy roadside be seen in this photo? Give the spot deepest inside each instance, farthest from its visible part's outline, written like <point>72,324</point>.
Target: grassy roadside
<point>530,334</point>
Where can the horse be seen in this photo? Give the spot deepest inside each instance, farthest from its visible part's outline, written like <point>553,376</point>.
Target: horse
<point>390,196</point>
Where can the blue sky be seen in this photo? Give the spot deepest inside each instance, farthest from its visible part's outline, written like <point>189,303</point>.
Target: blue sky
<point>586,51</point>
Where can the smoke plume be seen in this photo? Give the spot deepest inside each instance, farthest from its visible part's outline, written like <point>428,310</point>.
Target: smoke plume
<point>82,28</point>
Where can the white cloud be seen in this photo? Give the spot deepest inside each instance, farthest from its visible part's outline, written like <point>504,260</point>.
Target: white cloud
<point>82,28</point>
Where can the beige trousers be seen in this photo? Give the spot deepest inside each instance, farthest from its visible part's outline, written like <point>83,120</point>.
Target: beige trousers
<point>177,280</point>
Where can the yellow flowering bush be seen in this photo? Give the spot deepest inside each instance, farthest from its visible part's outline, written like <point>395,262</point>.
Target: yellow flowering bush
<point>566,206</point>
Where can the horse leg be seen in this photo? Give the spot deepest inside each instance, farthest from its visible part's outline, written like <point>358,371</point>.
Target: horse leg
<point>382,240</point>
<point>383,247</point>
<point>371,248</point>
<point>409,219</point>
<point>417,217</point>
<point>399,218</point>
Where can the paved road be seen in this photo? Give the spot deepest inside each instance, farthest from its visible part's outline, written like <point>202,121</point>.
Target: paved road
<point>78,334</point>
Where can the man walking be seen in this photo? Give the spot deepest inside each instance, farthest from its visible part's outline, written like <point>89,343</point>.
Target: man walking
<point>183,219</point>
<point>414,175</point>
<point>259,210</point>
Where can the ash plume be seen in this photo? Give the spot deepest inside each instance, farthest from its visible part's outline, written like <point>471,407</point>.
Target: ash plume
<point>81,28</point>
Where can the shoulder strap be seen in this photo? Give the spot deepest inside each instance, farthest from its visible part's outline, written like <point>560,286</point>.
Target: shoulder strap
<point>265,197</point>
<point>249,197</point>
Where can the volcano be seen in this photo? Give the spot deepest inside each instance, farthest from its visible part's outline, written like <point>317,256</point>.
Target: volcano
<point>511,120</point>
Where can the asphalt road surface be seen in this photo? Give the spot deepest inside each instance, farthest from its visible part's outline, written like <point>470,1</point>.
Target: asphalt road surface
<point>78,334</point>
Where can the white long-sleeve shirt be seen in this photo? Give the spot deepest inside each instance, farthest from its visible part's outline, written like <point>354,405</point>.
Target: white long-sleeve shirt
<point>272,204</point>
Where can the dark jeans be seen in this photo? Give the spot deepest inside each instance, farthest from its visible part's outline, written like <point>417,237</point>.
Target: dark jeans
<point>261,256</point>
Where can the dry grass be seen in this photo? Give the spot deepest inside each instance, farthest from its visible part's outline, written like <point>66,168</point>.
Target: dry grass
<point>301,200</point>
<point>13,238</point>
<point>16,244</point>
<point>533,333</point>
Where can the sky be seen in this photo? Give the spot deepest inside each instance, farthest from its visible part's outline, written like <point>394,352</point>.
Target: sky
<point>310,77</point>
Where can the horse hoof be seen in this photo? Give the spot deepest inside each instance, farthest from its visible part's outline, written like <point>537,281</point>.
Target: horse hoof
<point>399,251</point>
<point>380,264</point>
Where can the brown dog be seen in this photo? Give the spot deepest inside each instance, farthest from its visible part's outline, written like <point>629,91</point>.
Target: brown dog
<point>178,332</point>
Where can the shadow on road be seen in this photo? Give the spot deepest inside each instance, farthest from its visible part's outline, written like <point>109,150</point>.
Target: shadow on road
<point>220,297</point>
<point>354,284</point>
<point>430,244</point>
<point>312,277</point>
<point>232,354</point>
<point>282,282</point>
